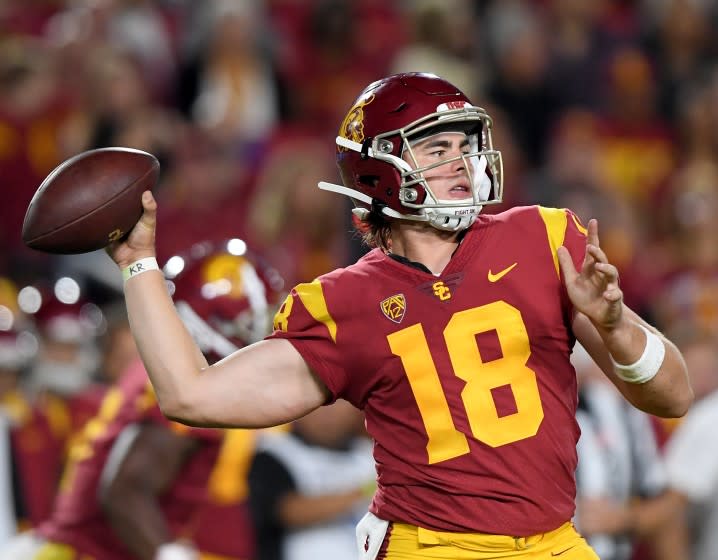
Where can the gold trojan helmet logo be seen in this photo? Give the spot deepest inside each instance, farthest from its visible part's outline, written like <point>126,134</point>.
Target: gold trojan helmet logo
<point>353,125</point>
<point>222,275</point>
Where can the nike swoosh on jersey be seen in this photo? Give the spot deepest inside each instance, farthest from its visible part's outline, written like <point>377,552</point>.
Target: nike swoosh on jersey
<point>565,550</point>
<point>499,275</point>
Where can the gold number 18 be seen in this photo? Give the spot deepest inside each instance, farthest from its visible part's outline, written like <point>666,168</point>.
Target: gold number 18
<point>444,440</point>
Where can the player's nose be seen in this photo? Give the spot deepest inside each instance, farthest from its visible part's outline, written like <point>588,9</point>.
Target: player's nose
<point>458,164</point>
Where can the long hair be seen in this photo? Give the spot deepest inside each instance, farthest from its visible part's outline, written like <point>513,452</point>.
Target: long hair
<point>374,229</point>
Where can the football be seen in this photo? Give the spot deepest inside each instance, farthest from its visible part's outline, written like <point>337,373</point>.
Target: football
<point>89,200</point>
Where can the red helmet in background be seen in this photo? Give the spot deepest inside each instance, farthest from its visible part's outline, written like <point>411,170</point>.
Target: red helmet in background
<point>374,144</point>
<point>68,325</point>
<point>225,294</point>
<point>62,313</point>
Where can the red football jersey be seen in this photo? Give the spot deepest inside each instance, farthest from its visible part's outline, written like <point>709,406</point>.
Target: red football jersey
<point>464,377</point>
<point>77,519</point>
<point>223,528</point>
<point>41,437</point>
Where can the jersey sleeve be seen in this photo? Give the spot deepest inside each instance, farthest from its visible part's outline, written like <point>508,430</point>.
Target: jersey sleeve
<point>575,238</point>
<point>564,229</point>
<point>305,319</point>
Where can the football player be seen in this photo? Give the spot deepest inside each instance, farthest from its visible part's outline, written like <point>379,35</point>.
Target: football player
<point>135,482</point>
<point>63,396</point>
<point>453,335</point>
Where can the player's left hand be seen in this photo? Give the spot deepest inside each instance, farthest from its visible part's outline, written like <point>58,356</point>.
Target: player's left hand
<point>593,290</point>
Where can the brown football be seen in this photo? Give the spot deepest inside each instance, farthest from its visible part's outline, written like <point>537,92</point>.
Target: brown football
<point>89,200</point>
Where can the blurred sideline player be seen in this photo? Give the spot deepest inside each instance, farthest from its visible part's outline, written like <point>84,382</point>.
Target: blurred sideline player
<point>18,346</point>
<point>136,482</point>
<point>59,383</point>
<point>233,304</point>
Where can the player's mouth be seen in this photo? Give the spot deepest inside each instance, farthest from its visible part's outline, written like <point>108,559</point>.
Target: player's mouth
<point>460,190</point>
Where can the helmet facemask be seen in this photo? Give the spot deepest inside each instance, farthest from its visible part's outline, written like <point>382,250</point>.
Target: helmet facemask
<point>482,166</point>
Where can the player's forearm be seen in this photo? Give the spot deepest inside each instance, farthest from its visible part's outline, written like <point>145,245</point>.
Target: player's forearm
<point>668,393</point>
<point>172,359</point>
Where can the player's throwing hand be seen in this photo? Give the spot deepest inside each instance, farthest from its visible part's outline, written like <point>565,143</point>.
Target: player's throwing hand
<point>140,243</point>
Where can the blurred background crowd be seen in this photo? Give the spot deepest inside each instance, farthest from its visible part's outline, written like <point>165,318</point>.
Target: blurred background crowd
<point>607,107</point>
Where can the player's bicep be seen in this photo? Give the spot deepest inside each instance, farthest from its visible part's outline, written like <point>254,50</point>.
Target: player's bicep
<point>262,385</point>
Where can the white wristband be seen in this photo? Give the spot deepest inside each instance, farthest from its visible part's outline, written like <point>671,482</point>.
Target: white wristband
<point>176,551</point>
<point>138,267</point>
<point>646,367</point>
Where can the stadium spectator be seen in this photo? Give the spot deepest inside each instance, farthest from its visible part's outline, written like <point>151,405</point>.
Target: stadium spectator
<point>622,496</point>
<point>691,460</point>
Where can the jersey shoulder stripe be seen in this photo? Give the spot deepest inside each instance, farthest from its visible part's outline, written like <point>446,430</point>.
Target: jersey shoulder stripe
<point>555,221</point>
<point>311,295</point>
<point>557,229</point>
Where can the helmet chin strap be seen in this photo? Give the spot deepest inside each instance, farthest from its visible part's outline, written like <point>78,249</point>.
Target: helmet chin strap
<point>450,223</point>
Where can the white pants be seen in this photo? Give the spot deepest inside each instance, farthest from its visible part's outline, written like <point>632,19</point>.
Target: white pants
<point>24,546</point>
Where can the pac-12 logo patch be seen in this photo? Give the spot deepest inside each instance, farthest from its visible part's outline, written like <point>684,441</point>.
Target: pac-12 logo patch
<point>394,307</point>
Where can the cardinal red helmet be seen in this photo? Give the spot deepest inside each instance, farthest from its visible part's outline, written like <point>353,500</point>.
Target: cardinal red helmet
<point>378,167</point>
<point>225,294</point>
<point>61,312</point>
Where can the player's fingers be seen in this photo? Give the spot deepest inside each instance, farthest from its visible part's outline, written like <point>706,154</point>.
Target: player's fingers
<point>149,205</point>
<point>592,235</point>
<point>609,272</point>
<point>613,295</point>
<point>148,202</point>
<point>597,253</point>
<point>588,260</point>
<point>566,263</point>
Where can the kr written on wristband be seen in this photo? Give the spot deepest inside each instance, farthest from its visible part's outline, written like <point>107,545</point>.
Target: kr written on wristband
<point>138,267</point>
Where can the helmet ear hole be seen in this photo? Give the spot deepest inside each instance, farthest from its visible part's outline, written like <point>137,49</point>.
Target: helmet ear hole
<point>369,180</point>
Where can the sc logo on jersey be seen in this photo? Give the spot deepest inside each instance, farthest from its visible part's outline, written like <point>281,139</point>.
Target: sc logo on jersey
<point>441,290</point>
